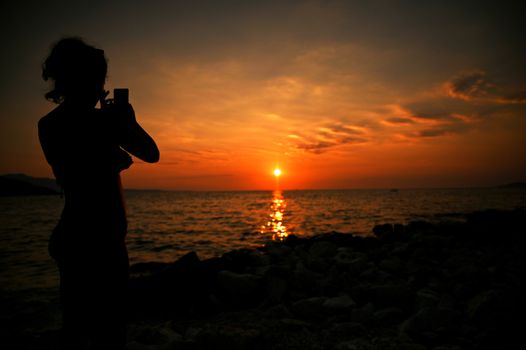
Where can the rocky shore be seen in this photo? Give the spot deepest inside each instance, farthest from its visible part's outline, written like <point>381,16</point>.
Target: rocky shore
<point>416,286</point>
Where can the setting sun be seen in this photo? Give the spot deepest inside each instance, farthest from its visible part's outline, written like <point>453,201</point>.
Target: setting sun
<point>277,172</point>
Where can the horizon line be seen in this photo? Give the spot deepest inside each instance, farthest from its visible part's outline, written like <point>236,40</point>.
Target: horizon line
<point>325,189</point>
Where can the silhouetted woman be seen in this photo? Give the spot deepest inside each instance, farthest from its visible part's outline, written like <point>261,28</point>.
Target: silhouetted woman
<point>87,149</point>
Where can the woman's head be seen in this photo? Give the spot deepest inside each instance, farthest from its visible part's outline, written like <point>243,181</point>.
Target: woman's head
<point>77,70</point>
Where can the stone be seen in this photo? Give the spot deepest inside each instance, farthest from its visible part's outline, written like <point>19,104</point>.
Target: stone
<point>388,316</point>
<point>398,295</point>
<point>238,284</point>
<point>309,307</point>
<point>340,304</point>
<point>383,230</point>
<point>363,315</point>
<point>276,286</point>
<point>426,298</point>
<point>323,249</point>
<point>433,319</point>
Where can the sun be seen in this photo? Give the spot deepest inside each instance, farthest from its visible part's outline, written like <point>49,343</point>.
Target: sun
<point>277,172</point>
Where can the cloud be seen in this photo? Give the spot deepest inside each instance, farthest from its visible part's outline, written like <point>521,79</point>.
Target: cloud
<point>442,130</point>
<point>429,117</point>
<point>476,86</point>
<point>329,136</point>
<point>400,120</point>
<point>469,85</point>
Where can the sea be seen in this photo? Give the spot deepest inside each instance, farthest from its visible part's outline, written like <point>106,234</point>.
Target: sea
<point>165,225</point>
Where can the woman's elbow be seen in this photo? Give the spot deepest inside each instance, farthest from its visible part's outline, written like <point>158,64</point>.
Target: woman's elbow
<point>153,157</point>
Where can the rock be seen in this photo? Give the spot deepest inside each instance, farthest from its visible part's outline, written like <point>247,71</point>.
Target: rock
<point>278,251</point>
<point>432,319</point>
<point>276,286</point>
<point>278,311</point>
<point>363,315</point>
<point>355,344</point>
<point>304,279</point>
<point>257,258</point>
<point>401,249</point>
<point>352,262</point>
<point>237,260</point>
<point>156,335</point>
<point>391,264</point>
<point>399,230</point>
<point>293,240</point>
<point>374,275</point>
<point>310,307</point>
<point>383,231</point>
<point>388,316</point>
<point>323,249</point>
<point>495,310</point>
<point>341,304</point>
<point>192,333</point>
<point>411,346</point>
<point>397,295</point>
<point>426,298</point>
<point>226,337</point>
<point>419,227</point>
<point>293,324</point>
<point>345,329</point>
<point>238,284</point>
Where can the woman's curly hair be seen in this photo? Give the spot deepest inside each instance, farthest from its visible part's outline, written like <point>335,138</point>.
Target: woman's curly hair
<point>73,64</point>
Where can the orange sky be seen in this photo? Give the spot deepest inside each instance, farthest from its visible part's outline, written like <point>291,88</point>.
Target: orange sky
<point>340,94</point>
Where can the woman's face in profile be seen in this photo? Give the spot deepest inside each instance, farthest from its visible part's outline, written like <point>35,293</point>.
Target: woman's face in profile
<point>87,92</point>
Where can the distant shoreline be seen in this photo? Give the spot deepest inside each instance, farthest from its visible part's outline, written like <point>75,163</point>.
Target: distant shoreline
<point>26,185</point>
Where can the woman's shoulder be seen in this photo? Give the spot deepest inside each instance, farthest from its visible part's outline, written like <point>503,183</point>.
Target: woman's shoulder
<point>50,119</point>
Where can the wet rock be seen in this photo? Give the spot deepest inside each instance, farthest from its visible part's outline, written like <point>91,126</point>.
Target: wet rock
<point>383,230</point>
<point>391,264</point>
<point>341,304</point>
<point>346,329</point>
<point>398,295</point>
<point>355,344</point>
<point>410,346</point>
<point>426,298</point>
<point>354,263</point>
<point>239,285</point>
<point>363,315</point>
<point>310,307</point>
<point>388,316</point>
<point>451,287</point>
<point>277,251</point>
<point>419,227</point>
<point>276,285</point>
<point>323,249</point>
<point>495,310</point>
<point>227,337</point>
<point>294,324</point>
<point>432,319</point>
<point>278,311</point>
<point>257,258</point>
<point>192,333</point>
<point>158,335</point>
<point>304,279</point>
<point>374,275</point>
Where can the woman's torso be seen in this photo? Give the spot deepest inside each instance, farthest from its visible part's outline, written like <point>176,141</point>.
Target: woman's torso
<point>81,147</point>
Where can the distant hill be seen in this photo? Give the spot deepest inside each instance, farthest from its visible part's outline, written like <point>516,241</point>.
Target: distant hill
<point>24,185</point>
<point>514,185</point>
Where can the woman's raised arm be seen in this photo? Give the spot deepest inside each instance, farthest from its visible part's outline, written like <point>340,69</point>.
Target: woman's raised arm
<point>133,138</point>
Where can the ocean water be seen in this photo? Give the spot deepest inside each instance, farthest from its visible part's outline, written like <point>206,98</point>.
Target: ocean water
<point>166,225</point>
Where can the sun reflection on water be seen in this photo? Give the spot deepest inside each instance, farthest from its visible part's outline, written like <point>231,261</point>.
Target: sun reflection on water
<point>275,224</point>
